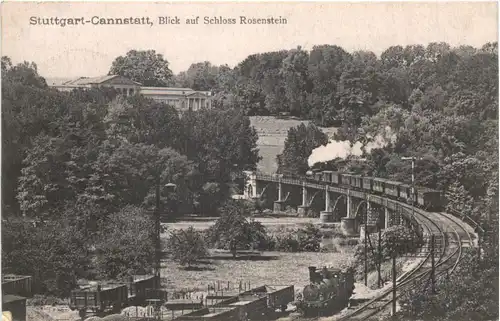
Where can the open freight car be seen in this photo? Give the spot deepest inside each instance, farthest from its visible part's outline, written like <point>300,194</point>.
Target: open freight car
<point>113,297</point>
<point>17,285</point>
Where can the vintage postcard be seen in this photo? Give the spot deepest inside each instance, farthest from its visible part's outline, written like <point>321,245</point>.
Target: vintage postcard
<point>218,161</point>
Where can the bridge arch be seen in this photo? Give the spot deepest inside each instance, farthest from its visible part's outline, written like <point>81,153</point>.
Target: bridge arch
<point>344,196</point>
<point>363,202</point>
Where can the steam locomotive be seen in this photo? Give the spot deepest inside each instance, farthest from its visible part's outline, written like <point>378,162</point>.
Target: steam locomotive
<point>425,198</point>
<point>328,292</point>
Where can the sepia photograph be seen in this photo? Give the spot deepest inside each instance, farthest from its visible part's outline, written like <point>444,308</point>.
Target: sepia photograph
<point>236,161</point>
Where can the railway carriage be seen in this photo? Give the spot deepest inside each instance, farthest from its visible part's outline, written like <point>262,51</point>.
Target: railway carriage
<point>405,192</point>
<point>367,183</point>
<point>392,188</point>
<point>327,176</point>
<point>425,198</point>
<point>357,181</point>
<point>378,185</point>
<point>345,179</point>
<point>335,178</point>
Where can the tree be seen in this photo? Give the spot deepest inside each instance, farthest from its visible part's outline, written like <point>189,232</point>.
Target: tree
<point>146,67</point>
<point>127,173</point>
<point>187,246</point>
<point>125,245</point>
<point>299,144</point>
<point>233,231</point>
<point>137,119</point>
<point>220,143</point>
<point>54,253</point>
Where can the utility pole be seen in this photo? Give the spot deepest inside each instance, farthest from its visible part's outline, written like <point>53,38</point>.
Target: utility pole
<point>366,245</point>
<point>157,239</point>
<point>412,184</point>
<point>433,266</point>
<point>479,240</point>
<point>393,282</point>
<point>157,266</point>
<point>379,258</point>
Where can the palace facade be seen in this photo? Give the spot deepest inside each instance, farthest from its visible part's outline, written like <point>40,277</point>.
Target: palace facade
<point>180,98</point>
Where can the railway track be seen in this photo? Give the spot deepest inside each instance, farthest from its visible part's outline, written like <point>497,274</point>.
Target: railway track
<point>451,233</point>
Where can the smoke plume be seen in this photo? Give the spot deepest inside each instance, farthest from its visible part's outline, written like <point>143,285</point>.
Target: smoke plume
<point>342,149</point>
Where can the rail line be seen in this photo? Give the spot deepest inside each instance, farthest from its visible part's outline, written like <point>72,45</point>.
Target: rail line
<point>444,264</point>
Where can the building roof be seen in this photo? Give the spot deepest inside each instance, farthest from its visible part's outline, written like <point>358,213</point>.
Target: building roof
<point>172,91</point>
<point>94,80</point>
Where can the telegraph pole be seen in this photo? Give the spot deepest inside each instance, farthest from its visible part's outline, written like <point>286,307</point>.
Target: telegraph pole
<point>412,184</point>
<point>366,244</point>
<point>393,282</point>
<point>379,258</point>
<point>157,239</point>
<point>433,266</point>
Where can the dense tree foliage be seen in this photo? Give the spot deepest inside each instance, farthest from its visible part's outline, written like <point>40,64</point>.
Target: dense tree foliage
<point>86,164</point>
<point>299,144</point>
<point>146,67</point>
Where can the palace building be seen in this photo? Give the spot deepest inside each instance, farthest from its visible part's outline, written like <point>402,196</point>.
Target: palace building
<point>180,98</point>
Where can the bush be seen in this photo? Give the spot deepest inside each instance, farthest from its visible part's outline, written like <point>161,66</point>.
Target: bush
<point>187,246</point>
<point>233,231</point>
<point>306,239</point>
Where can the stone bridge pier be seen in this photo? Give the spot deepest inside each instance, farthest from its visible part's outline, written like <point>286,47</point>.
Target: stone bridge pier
<point>313,201</point>
<point>286,195</point>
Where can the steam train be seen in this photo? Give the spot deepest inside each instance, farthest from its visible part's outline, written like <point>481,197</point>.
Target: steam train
<point>425,198</point>
<point>328,292</point>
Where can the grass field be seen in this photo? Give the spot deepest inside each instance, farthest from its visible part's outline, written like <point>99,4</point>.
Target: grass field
<point>269,222</point>
<point>275,268</point>
<point>272,133</point>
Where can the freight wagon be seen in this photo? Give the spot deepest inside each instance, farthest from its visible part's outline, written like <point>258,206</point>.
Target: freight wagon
<point>429,199</point>
<point>256,304</point>
<point>113,297</point>
<point>20,285</point>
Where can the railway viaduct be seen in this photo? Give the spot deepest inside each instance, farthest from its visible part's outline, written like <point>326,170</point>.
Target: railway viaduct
<point>352,208</point>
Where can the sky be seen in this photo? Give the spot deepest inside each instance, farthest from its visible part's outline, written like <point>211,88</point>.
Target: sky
<point>88,50</point>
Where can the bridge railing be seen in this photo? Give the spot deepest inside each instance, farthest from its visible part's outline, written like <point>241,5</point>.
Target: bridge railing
<point>469,220</point>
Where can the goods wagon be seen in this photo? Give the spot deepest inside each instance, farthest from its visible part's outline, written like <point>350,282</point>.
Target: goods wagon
<point>16,305</point>
<point>99,298</point>
<point>113,296</point>
<point>139,288</point>
<point>429,199</point>
<point>318,176</point>
<point>17,285</point>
